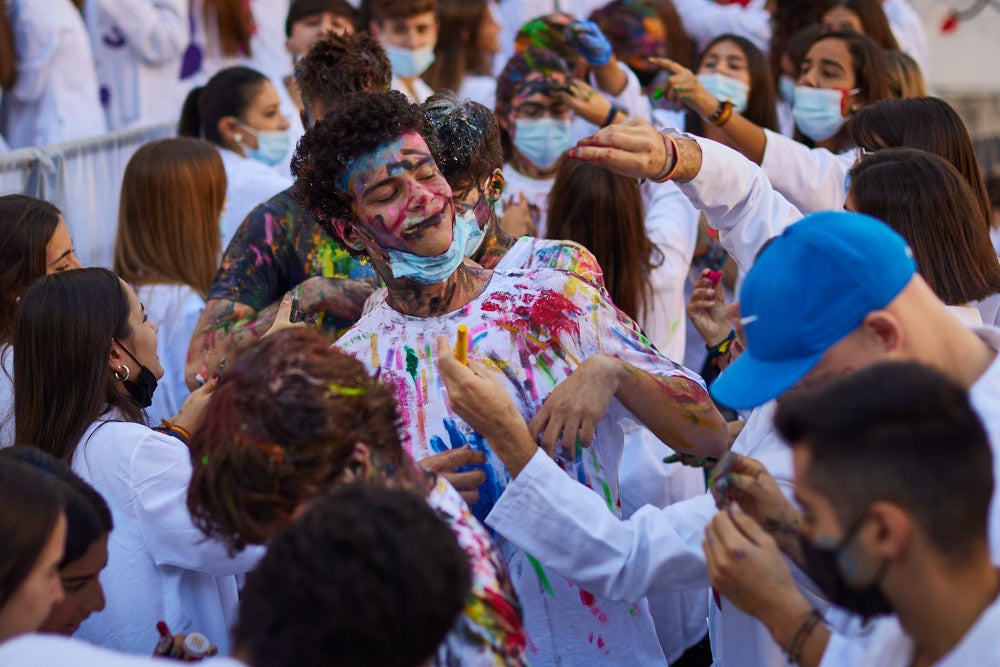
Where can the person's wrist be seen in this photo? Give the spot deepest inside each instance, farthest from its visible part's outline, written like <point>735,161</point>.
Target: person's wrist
<point>783,617</point>
<point>715,337</point>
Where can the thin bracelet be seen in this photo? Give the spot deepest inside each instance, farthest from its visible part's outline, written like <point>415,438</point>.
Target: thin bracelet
<point>722,114</point>
<point>178,432</point>
<point>668,173</point>
<point>611,116</point>
<point>721,347</point>
<point>798,641</point>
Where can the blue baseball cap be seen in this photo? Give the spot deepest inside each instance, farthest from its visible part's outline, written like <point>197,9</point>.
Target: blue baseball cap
<point>809,288</point>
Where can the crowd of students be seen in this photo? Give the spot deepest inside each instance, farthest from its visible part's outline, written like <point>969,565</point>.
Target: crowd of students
<point>462,332</point>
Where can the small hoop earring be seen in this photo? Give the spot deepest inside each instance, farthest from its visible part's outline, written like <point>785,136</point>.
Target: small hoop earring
<point>127,373</point>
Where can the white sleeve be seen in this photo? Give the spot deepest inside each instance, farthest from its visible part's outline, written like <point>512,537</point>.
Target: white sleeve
<point>160,472</point>
<point>704,20</point>
<point>811,178</point>
<point>155,30</point>
<point>738,201</point>
<point>569,529</point>
<point>842,651</point>
<point>35,43</point>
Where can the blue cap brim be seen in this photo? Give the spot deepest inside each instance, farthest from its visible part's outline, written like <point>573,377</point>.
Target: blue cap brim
<point>750,382</point>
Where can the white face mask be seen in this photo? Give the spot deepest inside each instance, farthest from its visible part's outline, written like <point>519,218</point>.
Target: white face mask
<point>475,234</point>
<point>409,63</point>
<point>272,145</point>
<point>435,269</point>
<point>543,140</point>
<point>723,88</point>
<point>819,112</point>
<point>786,87</point>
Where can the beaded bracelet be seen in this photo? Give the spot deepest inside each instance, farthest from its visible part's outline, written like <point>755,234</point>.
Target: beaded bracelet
<point>798,640</point>
<point>668,172</point>
<point>722,114</point>
<point>178,432</point>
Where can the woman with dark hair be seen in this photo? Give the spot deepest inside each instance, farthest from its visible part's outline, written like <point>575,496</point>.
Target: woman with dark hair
<point>34,241</point>
<point>467,42</point>
<point>931,205</point>
<point>88,525</point>
<point>239,111</point>
<point>841,73</point>
<point>864,17</point>
<point>294,418</point>
<point>33,525</point>
<point>86,368</point>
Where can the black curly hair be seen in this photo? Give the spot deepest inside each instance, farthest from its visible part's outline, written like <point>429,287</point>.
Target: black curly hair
<point>351,130</point>
<point>369,576</point>
<point>466,142</point>
<point>339,65</point>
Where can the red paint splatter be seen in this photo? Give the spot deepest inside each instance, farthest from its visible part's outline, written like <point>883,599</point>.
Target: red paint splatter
<point>545,312</point>
<point>600,641</point>
<point>950,24</point>
<point>586,598</point>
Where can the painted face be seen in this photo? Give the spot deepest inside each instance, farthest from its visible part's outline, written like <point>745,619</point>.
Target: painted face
<point>59,254</point>
<point>533,99</point>
<point>82,585</point>
<point>828,64</point>
<point>841,18</point>
<point>263,114</point>
<point>650,42</point>
<point>29,605</point>
<point>726,58</point>
<point>413,32</point>
<point>401,200</point>
<point>310,29</point>
<point>143,342</point>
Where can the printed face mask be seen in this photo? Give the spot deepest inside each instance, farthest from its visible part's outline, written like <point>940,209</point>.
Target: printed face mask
<point>724,88</point>
<point>272,146</point>
<point>829,566</point>
<point>409,63</point>
<point>543,140</point>
<point>435,269</point>
<point>819,112</point>
<point>142,386</point>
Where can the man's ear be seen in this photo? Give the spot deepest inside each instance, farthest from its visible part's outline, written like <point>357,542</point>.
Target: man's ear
<point>359,466</point>
<point>886,329</point>
<point>495,186</point>
<point>891,531</point>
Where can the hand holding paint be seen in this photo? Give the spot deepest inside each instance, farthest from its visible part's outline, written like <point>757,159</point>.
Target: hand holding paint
<point>462,346</point>
<point>191,647</point>
<point>707,309</point>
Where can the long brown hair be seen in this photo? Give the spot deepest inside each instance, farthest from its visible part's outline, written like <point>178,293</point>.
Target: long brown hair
<point>235,22</point>
<point>172,195</point>
<point>63,332</point>
<point>457,52</point>
<point>873,21</point>
<point>931,205</point>
<point>603,212</point>
<point>26,227</point>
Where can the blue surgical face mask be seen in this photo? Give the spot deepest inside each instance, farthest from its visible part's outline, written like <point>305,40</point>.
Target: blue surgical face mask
<point>272,146</point>
<point>475,234</point>
<point>409,63</point>
<point>786,87</point>
<point>723,88</point>
<point>818,111</point>
<point>434,269</point>
<point>543,140</point>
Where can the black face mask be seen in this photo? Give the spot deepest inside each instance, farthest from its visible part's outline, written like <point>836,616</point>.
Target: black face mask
<point>822,565</point>
<point>142,386</point>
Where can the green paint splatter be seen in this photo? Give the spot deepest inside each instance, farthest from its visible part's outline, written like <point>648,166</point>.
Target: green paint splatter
<point>411,363</point>
<point>542,364</point>
<point>607,495</point>
<point>348,391</point>
<point>593,459</point>
<point>542,577</point>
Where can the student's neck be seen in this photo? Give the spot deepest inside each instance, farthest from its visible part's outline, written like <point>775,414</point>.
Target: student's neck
<point>939,612</point>
<point>422,300</point>
<point>962,354</point>
<point>495,244</point>
<point>525,168</point>
<point>292,86</point>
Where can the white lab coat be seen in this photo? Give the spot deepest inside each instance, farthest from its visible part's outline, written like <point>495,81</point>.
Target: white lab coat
<point>56,96</point>
<point>704,20</point>
<point>813,179</point>
<point>39,649</point>
<point>138,46</point>
<point>908,29</point>
<point>249,183</point>
<point>160,566</point>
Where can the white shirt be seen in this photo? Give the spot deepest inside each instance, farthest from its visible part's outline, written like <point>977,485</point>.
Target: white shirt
<point>249,183</point>
<point>56,96</point>
<point>813,179</point>
<point>540,325</point>
<point>529,252</point>
<point>175,310</point>
<point>269,56</point>
<point>535,190</point>
<point>704,20</point>
<point>6,395</point>
<point>479,88</point>
<point>138,46</point>
<point>160,566</point>
<point>38,649</point>
<point>908,29</point>
<point>420,89</point>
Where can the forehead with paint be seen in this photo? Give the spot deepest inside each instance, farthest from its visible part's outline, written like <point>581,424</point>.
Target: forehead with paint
<point>400,197</point>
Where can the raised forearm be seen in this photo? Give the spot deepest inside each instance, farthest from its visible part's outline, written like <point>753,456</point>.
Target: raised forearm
<point>339,297</point>
<point>225,328</point>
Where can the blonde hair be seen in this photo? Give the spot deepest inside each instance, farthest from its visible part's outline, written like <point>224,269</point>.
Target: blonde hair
<point>904,75</point>
<point>172,196</point>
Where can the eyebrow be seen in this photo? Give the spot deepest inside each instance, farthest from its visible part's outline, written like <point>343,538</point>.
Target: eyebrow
<point>423,158</point>
<point>60,257</point>
<point>832,63</point>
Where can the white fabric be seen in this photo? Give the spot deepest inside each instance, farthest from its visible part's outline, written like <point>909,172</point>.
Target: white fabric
<point>175,310</point>
<point>478,88</point>
<point>704,20</point>
<point>538,325</point>
<point>138,46</point>
<point>37,649</point>
<point>786,121</point>
<point>56,96</point>
<point>249,183</point>
<point>159,565</point>
<point>6,396</point>
<point>967,315</point>
<point>655,551</point>
<point>420,89</point>
<point>529,252</point>
<point>890,646</point>
<point>295,128</point>
<point>738,201</point>
<point>812,179</point>
<point>989,309</point>
<point>908,29</point>
<point>672,226</point>
<point>985,399</point>
<point>269,56</point>
<point>535,190</point>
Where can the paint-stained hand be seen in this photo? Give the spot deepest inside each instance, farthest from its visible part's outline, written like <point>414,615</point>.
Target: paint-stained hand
<point>570,413</point>
<point>707,309</point>
<point>586,102</point>
<point>633,148</point>
<point>685,88</point>
<point>745,565</point>
<point>477,396</point>
<point>589,42</point>
<point>447,463</point>
<point>288,315</point>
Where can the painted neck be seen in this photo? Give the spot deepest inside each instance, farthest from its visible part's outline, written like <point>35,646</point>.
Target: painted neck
<point>417,299</point>
<point>496,243</point>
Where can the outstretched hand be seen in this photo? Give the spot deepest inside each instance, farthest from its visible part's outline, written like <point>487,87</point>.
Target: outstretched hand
<point>633,148</point>
<point>448,462</point>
